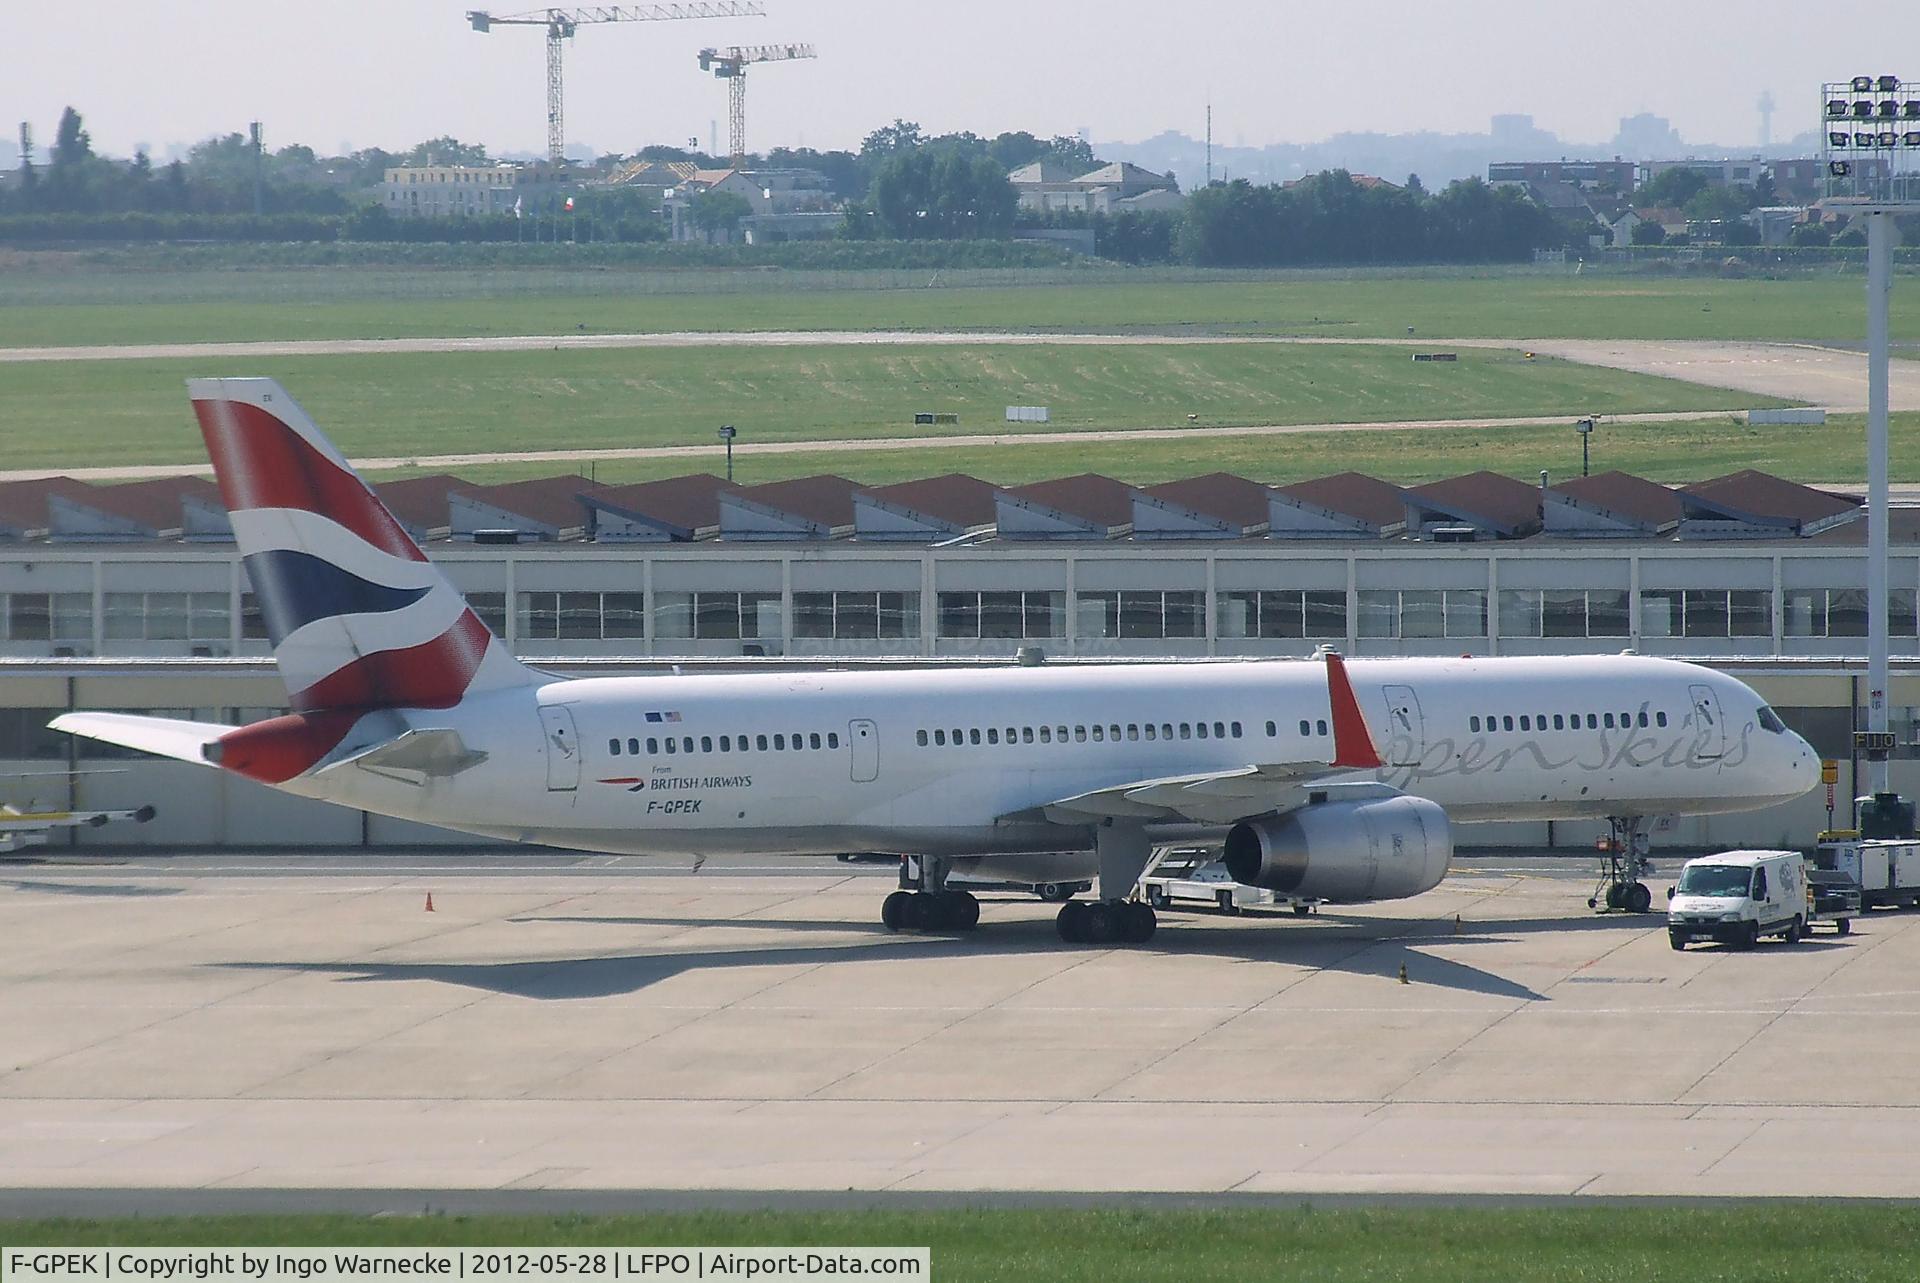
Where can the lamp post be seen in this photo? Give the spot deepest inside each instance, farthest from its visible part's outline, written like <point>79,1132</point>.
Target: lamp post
<point>1585,428</point>
<point>727,433</point>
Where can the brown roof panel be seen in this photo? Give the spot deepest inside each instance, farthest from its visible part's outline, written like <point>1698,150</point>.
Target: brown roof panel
<point>155,504</point>
<point>551,501</point>
<point>690,503</point>
<point>1377,502</point>
<point>1089,495</point>
<point>826,498</point>
<point>1235,499</point>
<point>1764,499</point>
<point>954,497</point>
<point>23,504</point>
<point>1506,506</point>
<point>420,503</point>
<point>1647,503</point>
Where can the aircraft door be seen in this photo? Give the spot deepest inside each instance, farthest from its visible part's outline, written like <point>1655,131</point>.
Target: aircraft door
<point>1406,739</point>
<point>563,748</point>
<point>864,739</point>
<point>1709,728</point>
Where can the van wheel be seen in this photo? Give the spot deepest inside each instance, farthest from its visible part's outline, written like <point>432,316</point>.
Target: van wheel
<point>1795,929</point>
<point>1224,899</point>
<point>1302,910</point>
<point>1678,941</point>
<point>1159,897</point>
<point>1750,937</point>
<point>1844,926</point>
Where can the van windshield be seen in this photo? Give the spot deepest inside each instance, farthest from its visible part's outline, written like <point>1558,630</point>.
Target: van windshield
<point>1715,879</point>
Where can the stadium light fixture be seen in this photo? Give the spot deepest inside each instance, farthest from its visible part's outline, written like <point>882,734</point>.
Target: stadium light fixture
<point>1863,84</point>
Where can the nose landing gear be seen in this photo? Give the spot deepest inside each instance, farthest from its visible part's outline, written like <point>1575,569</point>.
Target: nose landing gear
<point>1623,865</point>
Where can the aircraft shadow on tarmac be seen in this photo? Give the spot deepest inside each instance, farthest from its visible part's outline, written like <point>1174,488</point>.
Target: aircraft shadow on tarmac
<point>602,977</point>
<point>104,890</point>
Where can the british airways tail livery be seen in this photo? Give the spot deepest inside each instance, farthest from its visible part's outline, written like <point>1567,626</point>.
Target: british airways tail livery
<point>1324,780</point>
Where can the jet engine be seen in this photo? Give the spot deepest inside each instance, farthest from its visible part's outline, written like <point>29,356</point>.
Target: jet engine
<point>1376,848</point>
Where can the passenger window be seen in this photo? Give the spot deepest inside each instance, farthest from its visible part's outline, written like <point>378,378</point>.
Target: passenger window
<point>1526,723</point>
<point>1593,722</point>
<point>780,743</point>
<point>1272,729</point>
<point>973,736</point>
<point>613,747</point>
<point>1099,733</point>
<point>1151,733</point>
<point>1200,730</point>
<point>1046,735</point>
<point>1559,721</point>
<point>1235,728</point>
<point>993,734</point>
<point>1607,721</point>
<point>920,738</point>
<point>1219,730</point>
<point>1473,724</point>
<point>673,745</point>
<point>1321,725</point>
<point>959,737</point>
<point>813,740</point>
<point>1659,719</point>
<point>726,744</point>
<point>633,746</point>
<point>1166,730</point>
<point>760,743</point>
<point>1305,729</point>
<point>1506,722</point>
<point>1186,730</point>
<point>940,738</point>
<point>653,745</point>
<point>1080,734</point>
<point>706,743</point>
<point>1113,732</point>
<point>1133,730</point>
<point>686,743</point>
<point>1026,734</point>
<point>1643,719</point>
<point>833,739</point>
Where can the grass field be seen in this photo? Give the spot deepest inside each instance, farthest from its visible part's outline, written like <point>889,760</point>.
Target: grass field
<point>1650,1243</point>
<point>76,414</point>
<point>89,306</point>
<point>1676,452</point>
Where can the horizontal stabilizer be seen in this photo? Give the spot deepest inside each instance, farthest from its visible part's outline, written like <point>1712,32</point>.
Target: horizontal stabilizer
<point>161,736</point>
<point>415,757</point>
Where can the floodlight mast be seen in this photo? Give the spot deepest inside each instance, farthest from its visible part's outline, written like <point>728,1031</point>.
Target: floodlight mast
<point>562,23</point>
<point>1873,172</point>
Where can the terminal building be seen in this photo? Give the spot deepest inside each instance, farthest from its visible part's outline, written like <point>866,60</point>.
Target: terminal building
<point>134,597</point>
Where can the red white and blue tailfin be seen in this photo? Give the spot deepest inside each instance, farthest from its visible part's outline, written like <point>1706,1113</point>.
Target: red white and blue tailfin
<point>358,617</point>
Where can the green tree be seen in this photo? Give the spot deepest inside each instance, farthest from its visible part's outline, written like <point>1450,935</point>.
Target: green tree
<point>72,145</point>
<point>447,150</point>
<point>719,211</point>
<point>1649,233</point>
<point>1670,187</point>
<point>943,193</point>
<point>1811,235</point>
<point>901,135</point>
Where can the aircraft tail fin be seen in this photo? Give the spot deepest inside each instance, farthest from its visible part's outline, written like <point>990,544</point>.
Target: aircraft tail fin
<point>359,618</point>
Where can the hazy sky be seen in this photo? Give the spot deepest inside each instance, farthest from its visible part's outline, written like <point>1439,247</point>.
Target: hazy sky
<point>391,72</point>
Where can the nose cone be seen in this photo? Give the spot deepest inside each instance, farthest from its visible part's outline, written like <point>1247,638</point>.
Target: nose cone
<point>1799,768</point>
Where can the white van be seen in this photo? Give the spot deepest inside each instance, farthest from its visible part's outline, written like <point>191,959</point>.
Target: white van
<point>1737,897</point>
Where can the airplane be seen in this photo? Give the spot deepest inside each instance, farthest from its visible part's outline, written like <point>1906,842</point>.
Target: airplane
<point>20,829</point>
<point>1324,779</point>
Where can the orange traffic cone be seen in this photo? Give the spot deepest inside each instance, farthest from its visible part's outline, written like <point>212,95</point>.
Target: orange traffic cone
<point>429,902</point>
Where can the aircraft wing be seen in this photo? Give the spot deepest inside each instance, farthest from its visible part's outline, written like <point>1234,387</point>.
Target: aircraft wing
<point>162,736</point>
<point>15,821</point>
<point>1238,793</point>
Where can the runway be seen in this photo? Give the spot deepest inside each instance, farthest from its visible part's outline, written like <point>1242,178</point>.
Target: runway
<point>240,1020</point>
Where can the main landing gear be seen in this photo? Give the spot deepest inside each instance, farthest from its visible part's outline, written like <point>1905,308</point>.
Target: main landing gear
<point>1624,864</point>
<point>1123,850</point>
<point>925,902</point>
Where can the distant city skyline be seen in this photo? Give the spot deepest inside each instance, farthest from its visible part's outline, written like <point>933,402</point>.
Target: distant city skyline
<point>360,73</point>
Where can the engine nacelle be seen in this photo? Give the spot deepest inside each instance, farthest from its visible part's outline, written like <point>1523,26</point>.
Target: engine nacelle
<point>1379,848</point>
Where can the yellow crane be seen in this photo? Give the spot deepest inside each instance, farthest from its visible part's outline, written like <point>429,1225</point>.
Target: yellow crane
<point>731,65</point>
<point>560,25</point>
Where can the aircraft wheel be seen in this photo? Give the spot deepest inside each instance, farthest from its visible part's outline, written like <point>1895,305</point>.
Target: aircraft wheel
<point>927,911</point>
<point>894,910</point>
<point>1072,922</point>
<point>1103,922</point>
<point>1138,922</point>
<point>965,910</point>
<point>1615,891</point>
<point>1054,892</point>
<point>1636,898</point>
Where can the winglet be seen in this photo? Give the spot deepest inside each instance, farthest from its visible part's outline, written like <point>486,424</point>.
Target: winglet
<point>1352,742</point>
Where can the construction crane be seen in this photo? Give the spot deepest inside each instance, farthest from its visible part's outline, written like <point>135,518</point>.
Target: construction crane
<point>561,24</point>
<point>731,65</point>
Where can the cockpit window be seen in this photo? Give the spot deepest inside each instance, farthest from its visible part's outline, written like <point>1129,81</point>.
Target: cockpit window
<point>1770,721</point>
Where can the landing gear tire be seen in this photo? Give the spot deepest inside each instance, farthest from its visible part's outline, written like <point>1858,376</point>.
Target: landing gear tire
<point>1072,922</point>
<point>1636,898</point>
<point>1055,892</point>
<point>926,911</point>
<point>966,910</point>
<point>894,909</point>
<point>1614,893</point>
<point>1138,922</point>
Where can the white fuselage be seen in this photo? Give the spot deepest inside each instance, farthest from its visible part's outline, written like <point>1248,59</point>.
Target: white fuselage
<point>960,762</point>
